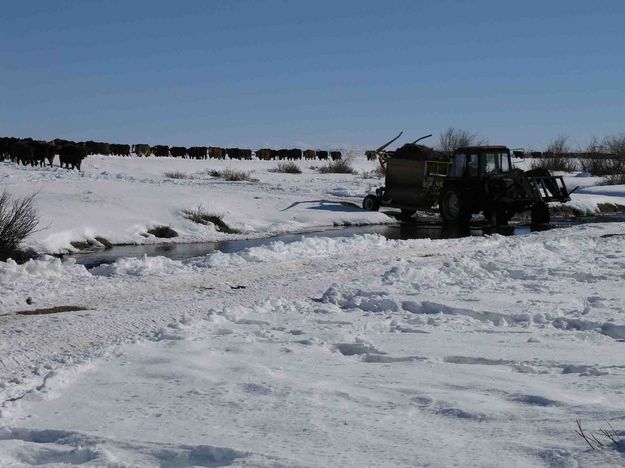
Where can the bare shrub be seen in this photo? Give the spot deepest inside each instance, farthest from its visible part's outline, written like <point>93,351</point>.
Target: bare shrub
<point>557,157</point>
<point>605,157</point>
<point>558,146</point>
<point>453,138</point>
<point>602,439</point>
<point>559,163</point>
<point>18,219</point>
<point>177,175</point>
<point>201,216</point>
<point>340,166</point>
<point>595,147</point>
<point>287,168</point>
<point>232,175</point>
<point>615,145</point>
<point>603,166</point>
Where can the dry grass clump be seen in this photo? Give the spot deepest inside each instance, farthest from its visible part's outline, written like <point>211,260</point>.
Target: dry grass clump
<point>287,168</point>
<point>201,216</point>
<point>376,173</point>
<point>232,175</point>
<point>177,175</point>
<point>340,166</point>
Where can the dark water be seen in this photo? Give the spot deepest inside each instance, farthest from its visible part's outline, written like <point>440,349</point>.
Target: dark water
<point>416,229</point>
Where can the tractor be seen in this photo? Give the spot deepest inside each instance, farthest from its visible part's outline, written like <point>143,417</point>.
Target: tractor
<point>475,179</point>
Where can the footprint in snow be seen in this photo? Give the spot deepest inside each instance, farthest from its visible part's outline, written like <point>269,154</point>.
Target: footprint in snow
<point>534,400</point>
<point>477,361</point>
<point>50,446</point>
<point>352,349</point>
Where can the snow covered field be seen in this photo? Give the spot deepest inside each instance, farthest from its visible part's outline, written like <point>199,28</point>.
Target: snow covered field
<point>120,199</point>
<point>354,351</point>
<point>326,352</point>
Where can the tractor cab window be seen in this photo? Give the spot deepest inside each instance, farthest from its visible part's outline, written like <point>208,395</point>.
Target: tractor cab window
<point>459,163</point>
<point>472,165</point>
<point>489,163</point>
<point>504,162</point>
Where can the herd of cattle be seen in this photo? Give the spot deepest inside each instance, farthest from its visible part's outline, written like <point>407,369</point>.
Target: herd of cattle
<point>34,152</point>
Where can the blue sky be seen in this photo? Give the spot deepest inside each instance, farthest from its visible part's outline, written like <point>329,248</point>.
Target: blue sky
<point>312,74</point>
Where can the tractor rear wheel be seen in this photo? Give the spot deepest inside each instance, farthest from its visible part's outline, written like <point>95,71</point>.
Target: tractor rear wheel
<point>453,209</point>
<point>371,203</point>
<point>540,213</point>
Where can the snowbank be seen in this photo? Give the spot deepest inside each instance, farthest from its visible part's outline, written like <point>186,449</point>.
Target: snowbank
<point>39,277</point>
<point>119,199</point>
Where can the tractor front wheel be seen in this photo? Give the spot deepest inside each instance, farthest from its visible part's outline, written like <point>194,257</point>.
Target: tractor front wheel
<point>371,203</point>
<point>452,207</point>
<point>540,214</point>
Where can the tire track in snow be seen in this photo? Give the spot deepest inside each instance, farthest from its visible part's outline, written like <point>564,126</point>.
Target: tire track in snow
<point>118,316</point>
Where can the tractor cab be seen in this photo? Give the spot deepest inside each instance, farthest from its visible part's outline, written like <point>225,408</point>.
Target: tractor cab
<point>480,161</point>
<point>482,179</point>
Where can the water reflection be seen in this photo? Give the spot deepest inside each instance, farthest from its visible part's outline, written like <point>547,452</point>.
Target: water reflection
<point>411,229</point>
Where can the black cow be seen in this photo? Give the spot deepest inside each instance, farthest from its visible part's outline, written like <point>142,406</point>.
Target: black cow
<point>283,154</point>
<point>104,148</point>
<point>119,150</point>
<point>371,155</point>
<point>233,153</point>
<point>246,154</point>
<point>322,155</point>
<point>42,151</point>
<point>178,151</point>
<point>198,152</point>
<point>72,155</point>
<point>161,151</point>
<point>335,155</point>
<point>5,147</point>
<point>21,152</point>
<point>91,147</point>
<point>295,153</point>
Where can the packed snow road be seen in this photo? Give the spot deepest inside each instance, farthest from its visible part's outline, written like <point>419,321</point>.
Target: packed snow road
<point>357,351</point>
